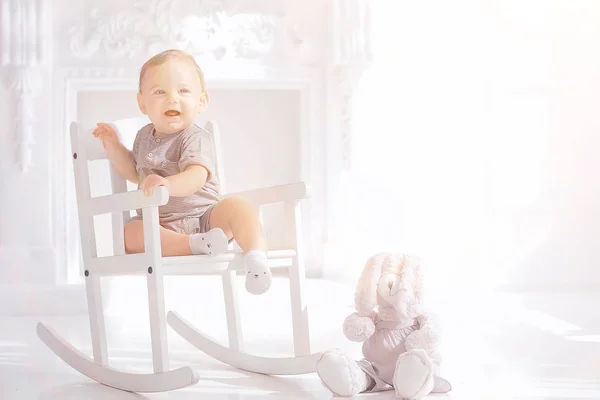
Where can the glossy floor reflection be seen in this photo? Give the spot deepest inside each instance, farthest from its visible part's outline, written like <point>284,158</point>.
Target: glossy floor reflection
<point>496,346</point>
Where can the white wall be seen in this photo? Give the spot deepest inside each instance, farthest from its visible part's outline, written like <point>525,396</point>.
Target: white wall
<point>476,142</point>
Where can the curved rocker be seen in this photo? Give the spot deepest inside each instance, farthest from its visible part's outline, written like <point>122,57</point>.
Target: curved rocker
<point>237,359</point>
<point>143,383</point>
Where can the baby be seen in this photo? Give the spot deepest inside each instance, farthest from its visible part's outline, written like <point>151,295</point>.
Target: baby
<point>174,152</point>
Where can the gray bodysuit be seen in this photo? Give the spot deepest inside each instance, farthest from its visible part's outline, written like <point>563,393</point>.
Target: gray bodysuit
<point>381,351</point>
<point>170,155</point>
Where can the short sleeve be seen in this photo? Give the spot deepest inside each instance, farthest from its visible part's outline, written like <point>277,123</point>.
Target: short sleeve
<point>198,149</point>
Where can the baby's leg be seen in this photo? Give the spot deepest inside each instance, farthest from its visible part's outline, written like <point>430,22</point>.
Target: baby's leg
<point>172,243</point>
<point>238,219</point>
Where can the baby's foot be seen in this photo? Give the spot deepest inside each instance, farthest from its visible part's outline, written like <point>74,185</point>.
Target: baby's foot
<point>212,242</point>
<point>258,274</point>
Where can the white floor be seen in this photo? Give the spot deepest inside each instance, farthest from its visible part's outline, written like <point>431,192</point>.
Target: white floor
<point>497,346</point>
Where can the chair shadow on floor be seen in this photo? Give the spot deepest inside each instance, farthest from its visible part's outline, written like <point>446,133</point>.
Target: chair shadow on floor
<point>241,387</point>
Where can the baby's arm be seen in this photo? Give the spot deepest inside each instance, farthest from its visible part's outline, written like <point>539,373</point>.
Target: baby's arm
<point>196,163</point>
<point>427,337</point>
<point>182,184</point>
<point>188,181</point>
<point>120,157</point>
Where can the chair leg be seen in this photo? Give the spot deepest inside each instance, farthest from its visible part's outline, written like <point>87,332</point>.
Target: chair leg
<point>96,315</point>
<point>297,277</point>
<point>156,291</point>
<point>234,327</point>
<point>158,322</point>
<point>299,310</point>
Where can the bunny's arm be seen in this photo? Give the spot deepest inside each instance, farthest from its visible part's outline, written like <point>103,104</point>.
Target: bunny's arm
<point>359,329</point>
<point>427,337</point>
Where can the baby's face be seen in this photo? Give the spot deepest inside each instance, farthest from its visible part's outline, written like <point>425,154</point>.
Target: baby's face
<point>172,96</point>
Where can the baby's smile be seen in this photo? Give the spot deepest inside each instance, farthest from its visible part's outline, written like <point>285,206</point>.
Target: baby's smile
<point>172,113</point>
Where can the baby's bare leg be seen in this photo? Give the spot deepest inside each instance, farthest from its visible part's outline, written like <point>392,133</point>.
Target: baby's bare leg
<point>176,244</point>
<point>172,243</point>
<point>238,219</point>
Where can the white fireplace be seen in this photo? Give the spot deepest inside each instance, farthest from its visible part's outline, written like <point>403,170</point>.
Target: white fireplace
<point>266,135</point>
<point>277,74</point>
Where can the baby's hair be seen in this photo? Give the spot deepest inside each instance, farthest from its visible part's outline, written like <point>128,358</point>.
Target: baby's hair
<point>168,55</point>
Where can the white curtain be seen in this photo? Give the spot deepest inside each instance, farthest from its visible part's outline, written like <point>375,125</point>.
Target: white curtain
<point>476,142</point>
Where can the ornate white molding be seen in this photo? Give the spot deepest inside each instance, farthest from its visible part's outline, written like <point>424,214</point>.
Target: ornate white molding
<point>345,99</point>
<point>351,57</point>
<point>22,37</point>
<point>93,72</point>
<point>351,32</point>
<point>206,28</point>
<point>25,83</point>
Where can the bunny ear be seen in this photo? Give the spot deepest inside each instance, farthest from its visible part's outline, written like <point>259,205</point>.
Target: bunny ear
<point>412,274</point>
<point>365,298</point>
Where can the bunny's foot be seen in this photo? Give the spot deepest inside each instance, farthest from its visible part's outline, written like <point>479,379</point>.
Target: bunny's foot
<point>441,385</point>
<point>342,376</point>
<point>413,377</point>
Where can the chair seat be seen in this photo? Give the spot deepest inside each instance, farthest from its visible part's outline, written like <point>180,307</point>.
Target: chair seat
<point>205,264</point>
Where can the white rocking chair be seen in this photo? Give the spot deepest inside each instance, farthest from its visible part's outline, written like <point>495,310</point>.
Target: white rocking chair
<point>151,263</point>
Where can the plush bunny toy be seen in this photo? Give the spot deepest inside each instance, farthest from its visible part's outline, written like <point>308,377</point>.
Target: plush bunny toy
<point>400,339</point>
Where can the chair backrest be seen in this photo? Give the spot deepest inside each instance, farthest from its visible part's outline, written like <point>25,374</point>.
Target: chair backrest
<point>86,148</point>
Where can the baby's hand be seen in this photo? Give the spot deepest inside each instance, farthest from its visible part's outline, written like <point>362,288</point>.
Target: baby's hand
<point>151,181</point>
<point>107,134</point>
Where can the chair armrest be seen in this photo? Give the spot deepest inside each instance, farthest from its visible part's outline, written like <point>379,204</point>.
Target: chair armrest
<point>126,201</point>
<point>274,194</point>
